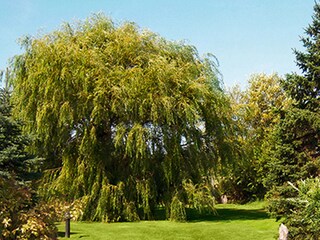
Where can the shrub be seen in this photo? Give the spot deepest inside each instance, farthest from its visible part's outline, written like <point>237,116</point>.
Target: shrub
<point>301,212</point>
<point>20,216</point>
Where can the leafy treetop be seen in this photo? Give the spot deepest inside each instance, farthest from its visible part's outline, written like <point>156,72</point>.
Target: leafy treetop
<point>126,119</point>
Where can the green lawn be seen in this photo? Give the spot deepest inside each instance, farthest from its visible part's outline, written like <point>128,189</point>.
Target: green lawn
<point>233,222</point>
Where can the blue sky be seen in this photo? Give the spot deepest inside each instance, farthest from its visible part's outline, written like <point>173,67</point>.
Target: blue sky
<point>247,36</point>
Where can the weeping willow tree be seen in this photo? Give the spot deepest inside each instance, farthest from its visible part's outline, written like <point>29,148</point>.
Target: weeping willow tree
<point>126,120</point>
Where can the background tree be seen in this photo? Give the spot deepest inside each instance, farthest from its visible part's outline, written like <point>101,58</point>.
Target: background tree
<point>294,152</point>
<point>126,120</point>
<point>256,111</point>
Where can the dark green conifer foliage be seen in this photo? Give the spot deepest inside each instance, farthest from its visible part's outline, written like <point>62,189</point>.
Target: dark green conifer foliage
<point>123,118</point>
<point>306,89</point>
<point>293,153</point>
<point>14,160</point>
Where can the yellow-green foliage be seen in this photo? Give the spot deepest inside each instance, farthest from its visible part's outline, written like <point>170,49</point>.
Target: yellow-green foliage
<point>177,210</point>
<point>257,110</point>
<point>199,196</point>
<point>122,115</point>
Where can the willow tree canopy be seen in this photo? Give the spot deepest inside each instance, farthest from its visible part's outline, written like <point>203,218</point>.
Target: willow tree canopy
<point>127,120</point>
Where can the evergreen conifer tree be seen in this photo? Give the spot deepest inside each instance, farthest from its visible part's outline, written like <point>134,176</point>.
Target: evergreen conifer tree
<point>294,150</point>
<point>14,159</point>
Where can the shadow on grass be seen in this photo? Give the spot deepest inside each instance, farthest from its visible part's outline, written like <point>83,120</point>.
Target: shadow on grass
<point>62,234</point>
<point>223,214</point>
<point>227,214</point>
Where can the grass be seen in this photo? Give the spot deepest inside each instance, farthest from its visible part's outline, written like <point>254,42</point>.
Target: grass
<point>233,222</point>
